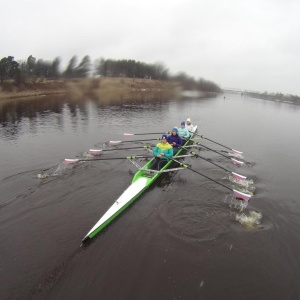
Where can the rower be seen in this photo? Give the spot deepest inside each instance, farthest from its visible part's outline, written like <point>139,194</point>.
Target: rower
<point>183,132</point>
<point>174,140</point>
<point>189,126</point>
<point>162,152</point>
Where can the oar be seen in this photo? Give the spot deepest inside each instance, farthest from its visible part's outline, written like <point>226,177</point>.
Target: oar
<point>235,161</point>
<point>233,174</point>
<point>75,160</point>
<point>131,141</point>
<point>131,134</point>
<point>233,150</point>
<point>239,195</point>
<point>98,151</point>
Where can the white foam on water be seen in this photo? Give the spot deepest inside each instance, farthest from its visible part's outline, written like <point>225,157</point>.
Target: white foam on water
<point>42,176</point>
<point>251,220</point>
<point>245,183</point>
<point>59,171</point>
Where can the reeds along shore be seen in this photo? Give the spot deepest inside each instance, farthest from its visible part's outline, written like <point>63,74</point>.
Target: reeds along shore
<point>104,89</point>
<point>116,89</point>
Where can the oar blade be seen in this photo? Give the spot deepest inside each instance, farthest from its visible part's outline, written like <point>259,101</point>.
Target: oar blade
<point>114,142</point>
<point>128,134</point>
<point>237,162</point>
<point>238,176</point>
<point>95,151</point>
<point>69,161</point>
<point>241,196</point>
<point>237,152</point>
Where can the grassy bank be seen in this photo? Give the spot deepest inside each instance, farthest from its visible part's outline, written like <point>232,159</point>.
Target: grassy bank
<point>115,89</point>
<point>9,90</point>
<point>102,89</point>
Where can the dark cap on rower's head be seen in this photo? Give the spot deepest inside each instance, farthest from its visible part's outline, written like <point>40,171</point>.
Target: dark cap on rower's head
<point>164,136</point>
<point>182,123</point>
<point>175,129</point>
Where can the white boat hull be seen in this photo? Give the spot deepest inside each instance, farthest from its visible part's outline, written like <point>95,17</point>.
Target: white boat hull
<point>128,195</point>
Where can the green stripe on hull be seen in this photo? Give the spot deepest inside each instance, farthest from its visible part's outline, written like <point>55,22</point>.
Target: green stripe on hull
<point>106,223</point>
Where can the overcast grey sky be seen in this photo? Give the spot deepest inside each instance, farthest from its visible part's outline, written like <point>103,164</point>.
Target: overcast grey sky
<point>252,45</point>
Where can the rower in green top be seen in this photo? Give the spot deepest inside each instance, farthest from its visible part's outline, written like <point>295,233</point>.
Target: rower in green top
<point>162,152</point>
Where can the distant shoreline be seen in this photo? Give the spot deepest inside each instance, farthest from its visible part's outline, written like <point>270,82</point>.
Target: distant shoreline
<point>8,90</point>
<point>280,98</point>
<point>272,98</point>
<point>115,89</point>
<point>102,89</point>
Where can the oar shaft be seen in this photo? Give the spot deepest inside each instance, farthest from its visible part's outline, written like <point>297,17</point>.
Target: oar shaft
<point>187,167</point>
<point>236,175</point>
<point>217,143</point>
<point>128,148</point>
<point>132,141</point>
<point>225,186</point>
<point>86,159</point>
<point>213,150</point>
<point>197,155</point>
<point>113,158</point>
<point>203,137</point>
<point>129,134</point>
<point>208,160</point>
<point>146,133</point>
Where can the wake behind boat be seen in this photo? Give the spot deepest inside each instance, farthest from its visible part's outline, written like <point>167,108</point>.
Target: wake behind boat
<point>140,182</point>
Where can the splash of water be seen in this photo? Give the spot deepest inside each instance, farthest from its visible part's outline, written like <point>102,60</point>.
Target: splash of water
<point>235,155</point>
<point>59,171</point>
<point>245,183</point>
<point>42,175</point>
<point>239,205</point>
<point>245,186</point>
<point>251,220</point>
<point>88,155</point>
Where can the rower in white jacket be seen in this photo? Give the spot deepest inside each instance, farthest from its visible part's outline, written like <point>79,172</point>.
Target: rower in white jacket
<point>189,126</point>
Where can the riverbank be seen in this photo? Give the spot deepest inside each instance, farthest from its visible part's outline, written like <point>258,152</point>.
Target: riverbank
<point>93,88</point>
<point>103,89</point>
<point>32,88</point>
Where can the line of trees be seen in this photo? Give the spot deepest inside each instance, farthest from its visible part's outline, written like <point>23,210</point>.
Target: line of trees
<point>34,68</point>
<point>190,83</point>
<point>131,69</point>
<point>9,68</point>
<point>22,69</point>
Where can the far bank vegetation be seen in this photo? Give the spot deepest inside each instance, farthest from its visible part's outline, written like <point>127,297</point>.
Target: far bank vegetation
<point>104,79</point>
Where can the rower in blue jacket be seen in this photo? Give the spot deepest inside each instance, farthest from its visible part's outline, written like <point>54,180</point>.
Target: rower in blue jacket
<point>175,140</point>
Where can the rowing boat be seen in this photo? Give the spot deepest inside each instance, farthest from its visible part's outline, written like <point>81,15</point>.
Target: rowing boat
<point>140,182</point>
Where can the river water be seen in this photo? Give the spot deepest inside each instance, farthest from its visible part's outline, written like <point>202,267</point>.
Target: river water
<point>185,238</point>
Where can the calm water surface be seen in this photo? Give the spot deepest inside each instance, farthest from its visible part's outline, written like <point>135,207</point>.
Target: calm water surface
<point>185,238</point>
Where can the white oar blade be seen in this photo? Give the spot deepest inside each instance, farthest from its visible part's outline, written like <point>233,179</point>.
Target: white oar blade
<point>237,152</point>
<point>241,195</point>
<point>115,142</point>
<point>69,161</point>
<point>237,162</point>
<point>128,134</point>
<point>95,151</point>
<point>238,176</point>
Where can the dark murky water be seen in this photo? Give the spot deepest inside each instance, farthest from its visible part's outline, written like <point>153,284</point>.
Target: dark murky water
<point>184,239</point>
